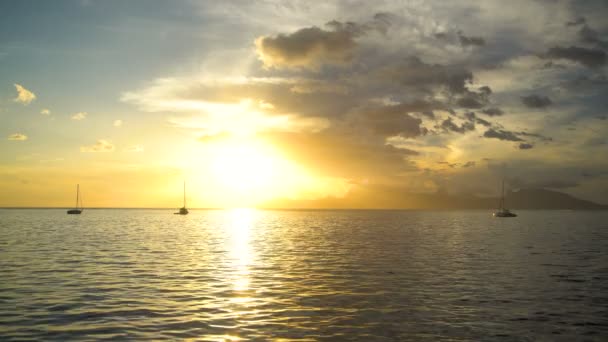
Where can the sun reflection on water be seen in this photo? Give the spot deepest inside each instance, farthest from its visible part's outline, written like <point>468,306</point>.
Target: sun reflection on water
<point>240,253</point>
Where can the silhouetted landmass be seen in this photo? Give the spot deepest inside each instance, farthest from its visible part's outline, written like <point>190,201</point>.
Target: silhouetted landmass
<point>393,199</point>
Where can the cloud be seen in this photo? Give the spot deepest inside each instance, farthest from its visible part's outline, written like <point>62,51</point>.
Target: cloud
<point>501,135</point>
<point>591,58</point>
<point>536,101</point>
<point>312,46</point>
<point>24,96</point>
<point>394,120</point>
<point>45,112</point>
<point>117,123</point>
<point>475,119</point>
<point>307,47</point>
<point>463,40</point>
<point>211,138</point>
<point>378,96</point>
<point>589,35</point>
<point>134,148</point>
<point>448,125</point>
<point>79,116</point>
<point>493,111</point>
<point>100,146</point>
<point>17,137</point>
<point>525,146</point>
<point>344,154</point>
<point>237,105</point>
<point>414,73</point>
<point>470,102</point>
<point>576,22</point>
<point>535,135</point>
<point>470,41</point>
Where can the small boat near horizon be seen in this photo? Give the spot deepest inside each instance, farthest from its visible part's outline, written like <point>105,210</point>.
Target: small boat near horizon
<point>183,210</point>
<point>79,208</point>
<point>502,211</point>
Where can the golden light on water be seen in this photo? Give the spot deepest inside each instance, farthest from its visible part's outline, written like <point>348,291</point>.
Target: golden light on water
<point>240,252</point>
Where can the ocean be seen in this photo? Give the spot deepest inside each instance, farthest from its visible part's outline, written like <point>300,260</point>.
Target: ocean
<point>256,275</point>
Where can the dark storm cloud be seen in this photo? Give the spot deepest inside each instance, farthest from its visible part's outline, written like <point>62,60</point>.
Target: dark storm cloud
<point>448,125</point>
<point>525,146</point>
<point>493,111</point>
<point>394,120</point>
<point>441,35</point>
<point>576,22</point>
<point>312,46</point>
<point>413,72</point>
<point>536,101</point>
<point>461,38</point>
<point>470,41</point>
<point>535,135</point>
<point>501,135</point>
<point>589,35</point>
<point>307,46</point>
<point>591,58</point>
<point>475,119</point>
<point>468,164</point>
<point>485,90</point>
<point>471,102</point>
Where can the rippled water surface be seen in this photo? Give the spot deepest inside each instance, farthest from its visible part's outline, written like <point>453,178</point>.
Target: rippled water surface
<point>303,275</point>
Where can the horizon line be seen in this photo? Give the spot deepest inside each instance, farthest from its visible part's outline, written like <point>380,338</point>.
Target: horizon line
<point>299,209</point>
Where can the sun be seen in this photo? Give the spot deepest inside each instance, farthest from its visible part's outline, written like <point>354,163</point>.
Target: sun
<point>249,171</point>
<point>242,167</point>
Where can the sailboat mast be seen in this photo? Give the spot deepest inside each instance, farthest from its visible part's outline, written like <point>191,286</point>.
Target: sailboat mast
<point>77,194</point>
<point>502,197</point>
<point>184,194</point>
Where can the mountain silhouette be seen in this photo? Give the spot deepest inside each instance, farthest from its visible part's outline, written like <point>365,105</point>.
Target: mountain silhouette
<point>391,198</point>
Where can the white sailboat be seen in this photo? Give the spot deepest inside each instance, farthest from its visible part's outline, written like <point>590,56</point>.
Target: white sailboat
<point>78,209</point>
<point>502,211</point>
<point>183,210</point>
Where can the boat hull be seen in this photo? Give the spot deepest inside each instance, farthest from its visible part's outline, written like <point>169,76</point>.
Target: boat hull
<point>182,211</point>
<point>504,215</point>
<point>74,212</point>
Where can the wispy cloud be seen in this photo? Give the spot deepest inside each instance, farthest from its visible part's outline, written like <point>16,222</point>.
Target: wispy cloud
<point>45,112</point>
<point>24,96</point>
<point>117,123</point>
<point>79,116</point>
<point>17,136</point>
<point>100,146</point>
<point>134,148</point>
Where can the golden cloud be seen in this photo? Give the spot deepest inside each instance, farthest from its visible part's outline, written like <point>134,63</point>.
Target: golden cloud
<point>24,96</point>
<point>100,146</point>
<point>17,137</point>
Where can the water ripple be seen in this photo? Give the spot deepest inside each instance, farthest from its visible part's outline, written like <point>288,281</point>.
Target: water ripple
<point>303,275</point>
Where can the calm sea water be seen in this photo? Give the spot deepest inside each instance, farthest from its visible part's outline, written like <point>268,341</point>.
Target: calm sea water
<point>303,275</point>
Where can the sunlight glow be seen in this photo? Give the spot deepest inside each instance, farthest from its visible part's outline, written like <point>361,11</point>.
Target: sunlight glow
<point>240,249</point>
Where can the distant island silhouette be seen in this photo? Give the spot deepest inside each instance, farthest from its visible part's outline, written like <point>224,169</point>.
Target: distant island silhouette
<point>392,199</point>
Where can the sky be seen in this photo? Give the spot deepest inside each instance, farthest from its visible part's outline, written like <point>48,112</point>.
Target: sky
<point>250,102</point>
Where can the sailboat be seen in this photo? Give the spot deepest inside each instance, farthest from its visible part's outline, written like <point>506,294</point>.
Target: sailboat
<point>502,211</point>
<point>183,210</point>
<point>78,209</point>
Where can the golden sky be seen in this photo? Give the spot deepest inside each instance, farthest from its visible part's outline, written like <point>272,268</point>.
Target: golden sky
<point>276,101</point>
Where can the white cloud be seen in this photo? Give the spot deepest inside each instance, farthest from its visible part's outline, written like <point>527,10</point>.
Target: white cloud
<point>100,146</point>
<point>242,116</point>
<point>134,148</point>
<point>24,96</point>
<point>45,112</point>
<point>117,123</point>
<point>79,116</point>
<point>17,136</point>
